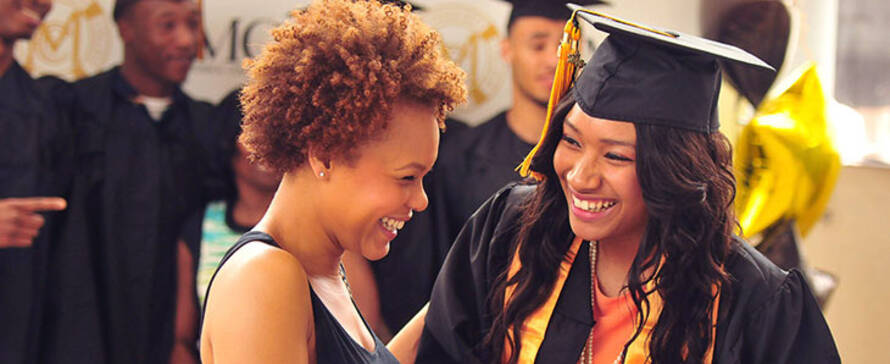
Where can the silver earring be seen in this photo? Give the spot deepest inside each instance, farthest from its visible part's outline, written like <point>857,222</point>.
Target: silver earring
<point>321,174</point>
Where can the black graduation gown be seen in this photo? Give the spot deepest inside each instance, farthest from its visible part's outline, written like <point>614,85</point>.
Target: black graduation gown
<point>113,274</point>
<point>480,163</point>
<point>771,317</point>
<point>35,150</point>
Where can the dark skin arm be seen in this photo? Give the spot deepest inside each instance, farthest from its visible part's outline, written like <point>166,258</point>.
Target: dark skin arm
<point>185,326</point>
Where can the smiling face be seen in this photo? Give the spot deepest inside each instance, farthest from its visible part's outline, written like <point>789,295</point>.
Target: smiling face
<point>163,36</point>
<point>20,18</point>
<point>372,195</point>
<point>530,49</point>
<point>596,164</point>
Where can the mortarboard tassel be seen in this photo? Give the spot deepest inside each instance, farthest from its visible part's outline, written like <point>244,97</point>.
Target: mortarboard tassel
<point>569,61</point>
<point>568,48</point>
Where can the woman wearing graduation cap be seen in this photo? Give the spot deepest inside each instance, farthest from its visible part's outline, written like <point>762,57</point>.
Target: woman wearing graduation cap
<point>346,102</point>
<point>623,249</point>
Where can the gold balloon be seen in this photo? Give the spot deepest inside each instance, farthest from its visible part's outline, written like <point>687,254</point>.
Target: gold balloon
<point>786,161</point>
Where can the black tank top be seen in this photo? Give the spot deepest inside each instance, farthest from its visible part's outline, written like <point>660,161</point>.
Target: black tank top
<point>332,343</point>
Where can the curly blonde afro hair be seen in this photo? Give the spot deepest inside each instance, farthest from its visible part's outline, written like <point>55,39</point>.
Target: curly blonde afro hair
<point>330,76</point>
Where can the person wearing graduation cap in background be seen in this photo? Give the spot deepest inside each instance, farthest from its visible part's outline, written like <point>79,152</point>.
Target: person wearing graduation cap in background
<point>624,250</point>
<point>34,171</point>
<point>143,156</point>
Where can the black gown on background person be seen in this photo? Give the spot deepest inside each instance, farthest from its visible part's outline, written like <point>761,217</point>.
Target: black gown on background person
<point>771,316</point>
<point>113,274</point>
<point>482,162</point>
<point>35,150</point>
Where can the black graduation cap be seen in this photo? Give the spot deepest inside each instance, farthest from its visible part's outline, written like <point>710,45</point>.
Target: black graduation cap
<point>553,9</point>
<point>643,74</point>
<point>647,75</point>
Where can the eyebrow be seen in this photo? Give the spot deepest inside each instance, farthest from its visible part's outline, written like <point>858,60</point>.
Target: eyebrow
<point>540,35</point>
<point>413,165</point>
<point>604,140</point>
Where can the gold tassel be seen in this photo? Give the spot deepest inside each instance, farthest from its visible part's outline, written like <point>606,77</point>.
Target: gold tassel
<point>565,72</point>
<point>569,61</point>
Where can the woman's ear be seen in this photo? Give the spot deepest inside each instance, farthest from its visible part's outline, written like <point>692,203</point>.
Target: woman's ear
<point>319,163</point>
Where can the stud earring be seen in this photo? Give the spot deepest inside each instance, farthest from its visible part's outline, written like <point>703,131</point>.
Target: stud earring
<point>321,174</point>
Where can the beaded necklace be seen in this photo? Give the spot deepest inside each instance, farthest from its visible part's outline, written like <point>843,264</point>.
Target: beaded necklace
<point>587,353</point>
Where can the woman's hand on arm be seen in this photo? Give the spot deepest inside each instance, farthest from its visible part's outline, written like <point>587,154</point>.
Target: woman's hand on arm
<point>404,345</point>
<point>259,310</point>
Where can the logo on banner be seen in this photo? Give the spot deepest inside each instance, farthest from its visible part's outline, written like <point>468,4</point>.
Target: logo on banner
<point>75,42</point>
<point>472,40</point>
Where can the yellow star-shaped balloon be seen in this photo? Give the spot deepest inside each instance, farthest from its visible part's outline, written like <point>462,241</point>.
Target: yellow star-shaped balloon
<point>786,161</point>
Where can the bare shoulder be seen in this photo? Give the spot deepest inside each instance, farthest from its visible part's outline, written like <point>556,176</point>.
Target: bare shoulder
<point>258,305</point>
<point>258,265</point>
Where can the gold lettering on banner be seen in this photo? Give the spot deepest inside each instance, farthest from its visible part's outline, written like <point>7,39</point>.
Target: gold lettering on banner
<point>472,40</point>
<point>69,44</point>
<point>469,53</point>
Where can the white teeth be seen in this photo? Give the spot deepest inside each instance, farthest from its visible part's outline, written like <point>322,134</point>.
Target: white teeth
<point>392,224</point>
<point>592,206</point>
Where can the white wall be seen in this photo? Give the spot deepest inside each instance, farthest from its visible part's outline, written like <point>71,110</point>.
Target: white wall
<point>471,30</point>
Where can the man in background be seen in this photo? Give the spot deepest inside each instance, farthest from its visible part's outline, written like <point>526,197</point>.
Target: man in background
<point>144,164</point>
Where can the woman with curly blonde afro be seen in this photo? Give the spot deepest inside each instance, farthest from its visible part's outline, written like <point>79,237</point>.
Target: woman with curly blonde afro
<point>346,102</point>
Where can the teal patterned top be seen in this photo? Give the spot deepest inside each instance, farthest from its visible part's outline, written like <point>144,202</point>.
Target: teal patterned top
<point>217,237</point>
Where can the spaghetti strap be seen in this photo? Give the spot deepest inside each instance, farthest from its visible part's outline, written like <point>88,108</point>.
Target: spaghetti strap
<point>333,344</point>
<point>250,236</point>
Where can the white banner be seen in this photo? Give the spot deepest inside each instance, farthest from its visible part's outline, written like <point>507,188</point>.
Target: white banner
<point>79,39</point>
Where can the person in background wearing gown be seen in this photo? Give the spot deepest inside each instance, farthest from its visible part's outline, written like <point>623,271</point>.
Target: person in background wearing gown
<point>623,251</point>
<point>144,164</point>
<point>346,102</point>
<point>34,172</point>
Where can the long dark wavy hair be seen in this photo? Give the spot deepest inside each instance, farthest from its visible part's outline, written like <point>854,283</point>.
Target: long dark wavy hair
<point>688,188</point>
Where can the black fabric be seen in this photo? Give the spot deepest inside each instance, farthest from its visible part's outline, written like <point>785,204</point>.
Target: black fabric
<point>113,275</point>
<point>771,316</point>
<point>35,151</point>
<point>634,81</point>
<point>642,74</point>
<point>572,316</point>
<point>544,8</point>
<point>482,161</point>
<point>332,343</point>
